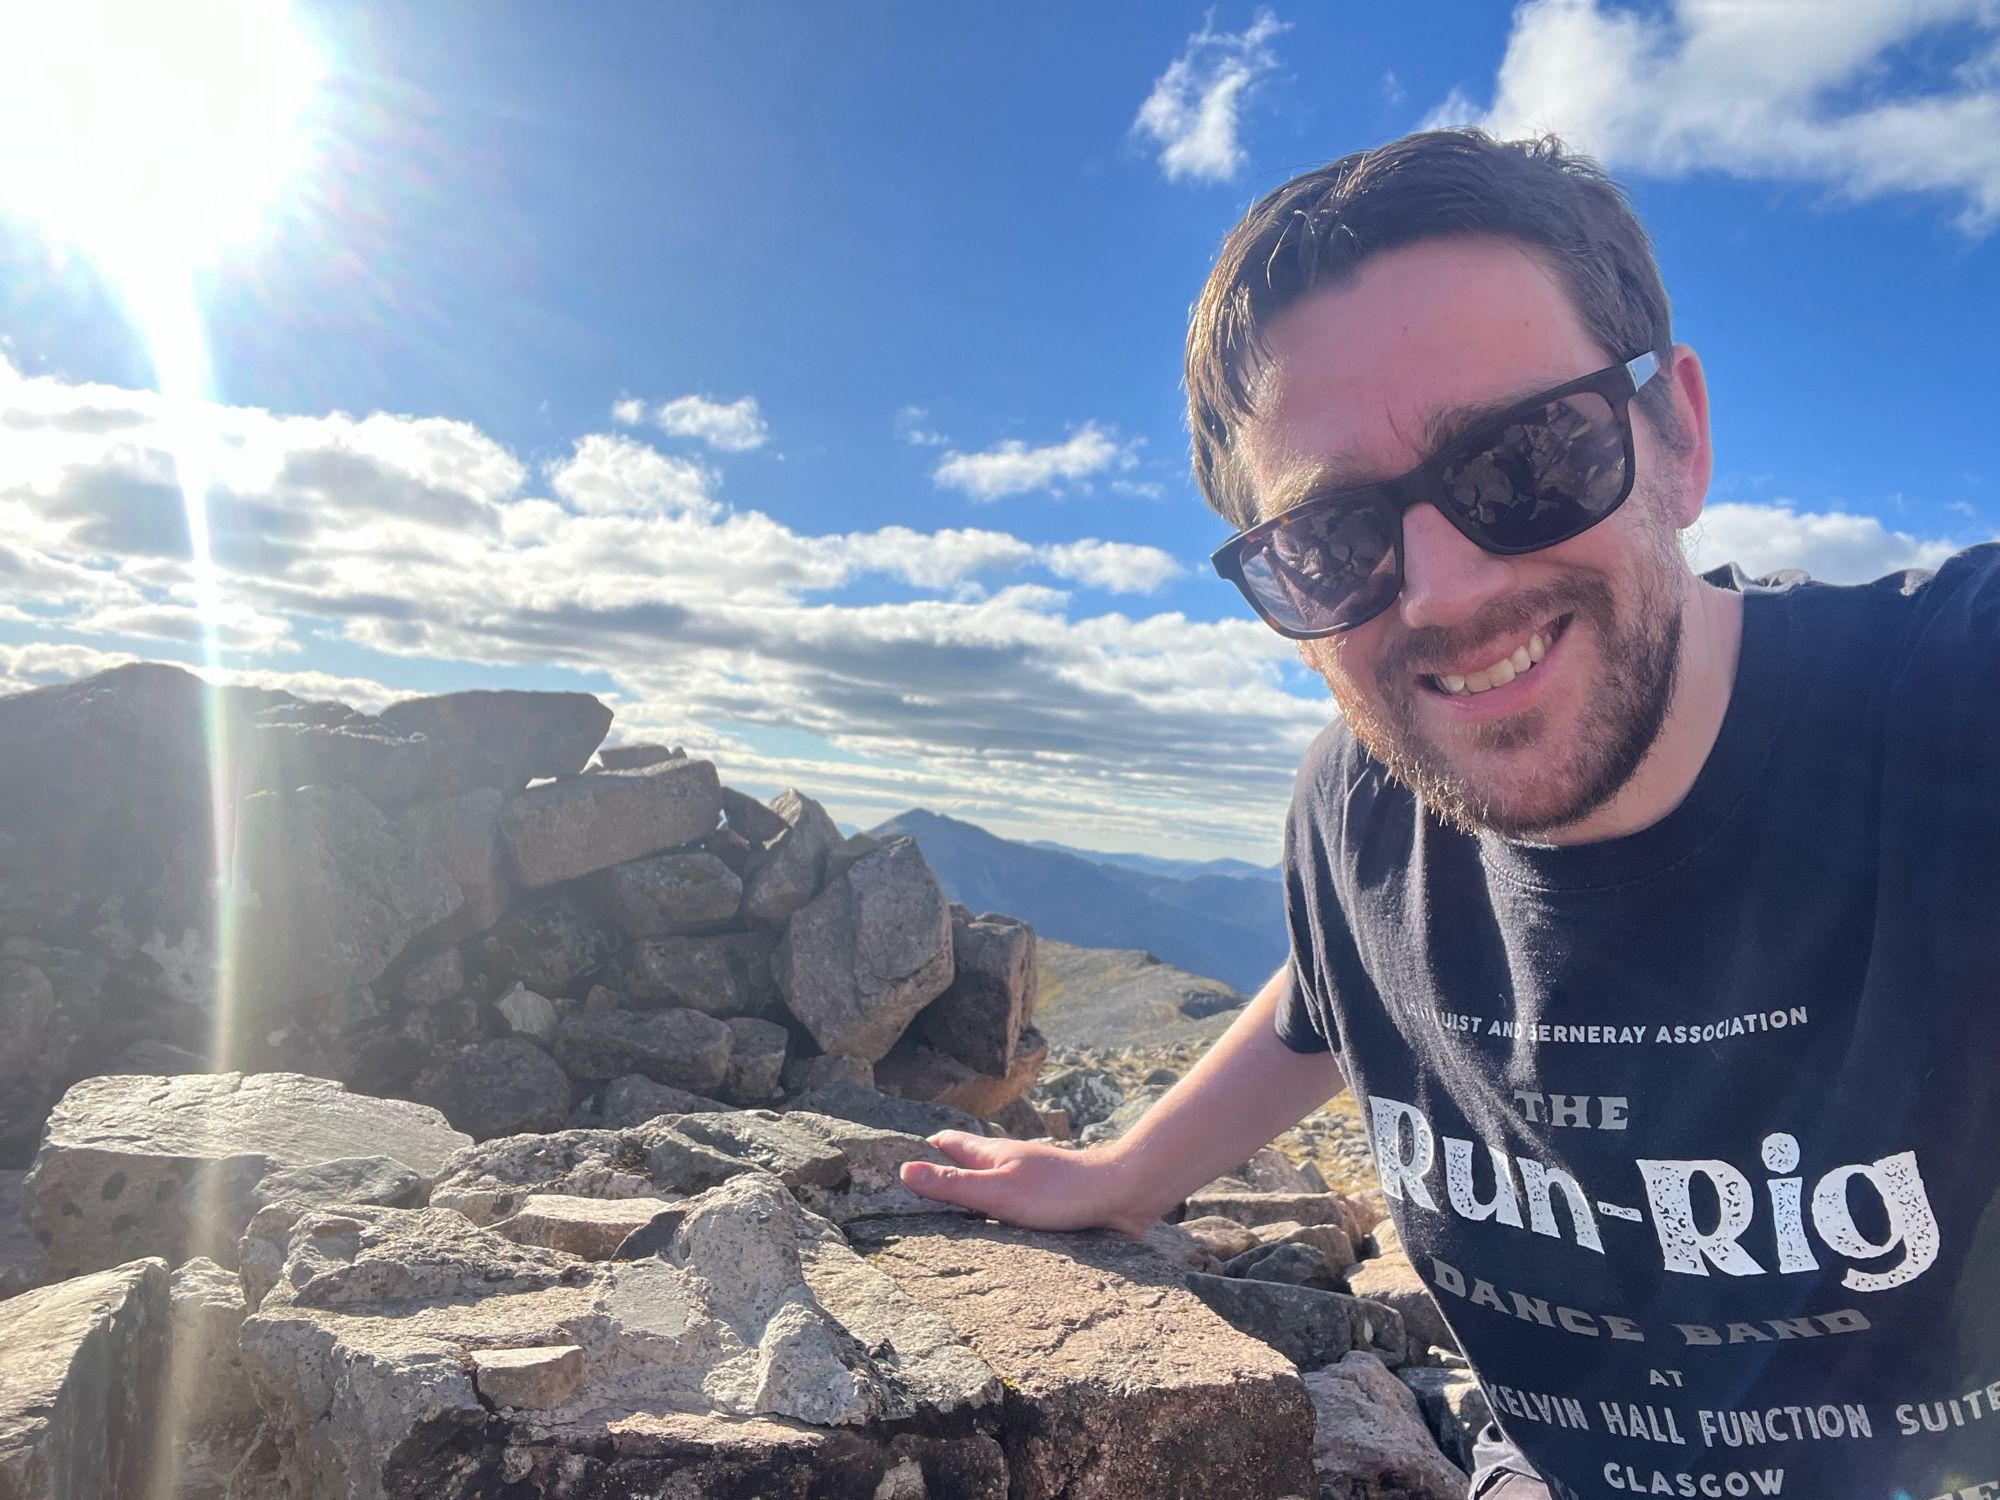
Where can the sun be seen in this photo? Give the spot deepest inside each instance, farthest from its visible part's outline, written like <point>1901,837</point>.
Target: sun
<point>146,134</point>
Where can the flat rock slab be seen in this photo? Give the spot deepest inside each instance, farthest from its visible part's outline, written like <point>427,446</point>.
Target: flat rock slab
<point>1309,1327</point>
<point>1119,1383</point>
<point>588,1228</point>
<point>140,1165</point>
<point>370,1350</point>
<point>589,823</point>
<point>80,1383</point>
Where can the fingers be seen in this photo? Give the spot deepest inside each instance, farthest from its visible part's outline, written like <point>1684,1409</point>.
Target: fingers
<point>968,1149</point>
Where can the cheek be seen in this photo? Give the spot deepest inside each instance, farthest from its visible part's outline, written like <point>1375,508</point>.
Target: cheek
<point>1345,662</point>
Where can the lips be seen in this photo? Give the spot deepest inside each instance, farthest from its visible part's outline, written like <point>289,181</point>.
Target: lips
<point>1508,661</point>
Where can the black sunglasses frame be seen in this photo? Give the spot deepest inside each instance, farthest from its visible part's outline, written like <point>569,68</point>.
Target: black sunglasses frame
<point>1390,498</point>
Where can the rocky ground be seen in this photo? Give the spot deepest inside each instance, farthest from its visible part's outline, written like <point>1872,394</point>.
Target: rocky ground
<point>521,1115</point>
<point>1332,1140</point>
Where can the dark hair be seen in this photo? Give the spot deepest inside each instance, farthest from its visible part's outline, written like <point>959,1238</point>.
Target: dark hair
<point>1317,229</point>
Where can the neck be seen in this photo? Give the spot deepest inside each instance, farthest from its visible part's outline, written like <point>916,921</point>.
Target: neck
<point>1711,634</point>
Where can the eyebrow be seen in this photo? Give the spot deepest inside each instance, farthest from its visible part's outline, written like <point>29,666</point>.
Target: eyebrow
<point>1440,428</point>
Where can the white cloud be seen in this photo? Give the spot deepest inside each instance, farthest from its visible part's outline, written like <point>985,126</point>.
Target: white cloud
<point>1121,567</point>
<point>1832,546</point>
<point>1013,468</point>
<point>727,426</point>
<point>977,681</point>
<point>628,411</point>
<point>1192,114</point>
<point>1791,90</point>
<point>911,429</point>
<point>610,475</point>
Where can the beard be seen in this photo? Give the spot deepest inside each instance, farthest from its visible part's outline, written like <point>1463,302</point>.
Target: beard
<point>1638,666</point>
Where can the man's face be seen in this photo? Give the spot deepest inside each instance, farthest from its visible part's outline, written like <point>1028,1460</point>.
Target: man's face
<point>1358,378</point>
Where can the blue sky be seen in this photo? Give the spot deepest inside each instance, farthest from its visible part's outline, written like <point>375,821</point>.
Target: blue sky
<point>805,379</point>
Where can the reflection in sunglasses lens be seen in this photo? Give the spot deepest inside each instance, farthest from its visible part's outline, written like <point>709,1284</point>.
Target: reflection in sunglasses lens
<point>1322,571</point>
<point>1543,477</point>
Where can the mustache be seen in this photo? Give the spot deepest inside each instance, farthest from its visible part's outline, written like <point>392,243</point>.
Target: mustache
<point>1433,646</point>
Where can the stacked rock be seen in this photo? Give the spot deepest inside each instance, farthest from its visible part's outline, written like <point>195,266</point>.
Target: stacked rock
<point>454,902</point>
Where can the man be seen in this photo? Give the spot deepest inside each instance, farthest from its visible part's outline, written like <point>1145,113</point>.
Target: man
<point>1649,913</point>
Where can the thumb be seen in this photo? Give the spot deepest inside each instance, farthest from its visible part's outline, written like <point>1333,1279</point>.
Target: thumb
<point>931,1179</point>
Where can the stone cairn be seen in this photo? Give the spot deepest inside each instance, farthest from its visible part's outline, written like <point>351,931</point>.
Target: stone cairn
<point>510,1114</point>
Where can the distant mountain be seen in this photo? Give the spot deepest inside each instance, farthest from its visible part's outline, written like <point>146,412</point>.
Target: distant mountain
<point>1178,869</point>
<point>1227,927</point>
<point>1116,997</point>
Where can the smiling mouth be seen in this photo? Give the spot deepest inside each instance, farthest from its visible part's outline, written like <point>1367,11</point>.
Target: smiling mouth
<point>1523,659</point>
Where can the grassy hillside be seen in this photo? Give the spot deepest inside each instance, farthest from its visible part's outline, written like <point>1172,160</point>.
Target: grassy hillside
<point>1119,997</point>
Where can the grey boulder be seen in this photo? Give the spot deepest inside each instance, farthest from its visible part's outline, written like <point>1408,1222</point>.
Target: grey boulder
<point>80,1385</point>
<point>683,1048</point>
<point>1369,1438</point>
<point>980,1018</point>
<point>502,739</point>
<point>571,828</point>
<point>462,833</point>
<point>166,1166</point>
<point>664,894</point>
<point>505,1086</point>
<point>870,951</point>
<point>327,895</point>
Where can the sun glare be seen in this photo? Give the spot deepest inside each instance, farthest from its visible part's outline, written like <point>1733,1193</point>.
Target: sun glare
<point>155,140</point>
<point>139,131</point>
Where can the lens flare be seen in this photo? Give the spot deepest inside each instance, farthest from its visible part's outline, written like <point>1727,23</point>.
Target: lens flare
<point>159,141</point>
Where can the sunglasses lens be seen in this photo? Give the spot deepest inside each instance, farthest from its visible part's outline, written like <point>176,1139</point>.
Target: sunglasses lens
<point>1324,572</point>
<point>1545,477</point>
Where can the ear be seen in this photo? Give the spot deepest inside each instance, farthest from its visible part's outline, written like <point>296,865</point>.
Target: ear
<point>1694,465</point>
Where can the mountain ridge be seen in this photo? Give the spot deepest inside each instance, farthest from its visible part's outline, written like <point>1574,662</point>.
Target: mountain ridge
<point>1223,927</point>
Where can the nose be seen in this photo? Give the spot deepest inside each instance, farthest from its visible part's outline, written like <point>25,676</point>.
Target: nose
<point>1446,579</point>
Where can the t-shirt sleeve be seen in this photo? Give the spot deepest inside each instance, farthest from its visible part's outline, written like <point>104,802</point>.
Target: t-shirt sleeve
<point>1294,1024</point>
<point>1304,1022</point>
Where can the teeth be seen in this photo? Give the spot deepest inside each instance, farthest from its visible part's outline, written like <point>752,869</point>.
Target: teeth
<point>1501,672</point>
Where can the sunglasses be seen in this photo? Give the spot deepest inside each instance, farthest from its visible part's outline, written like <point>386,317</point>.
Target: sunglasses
<point>1544,470</point>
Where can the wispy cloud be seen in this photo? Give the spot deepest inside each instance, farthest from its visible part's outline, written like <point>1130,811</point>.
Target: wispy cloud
<point>728,426</point>
<point>912,426</point>
<point>628,411</point>
<point>1014,468</point>
<point>1769,91</point>
<point>1193,114</point>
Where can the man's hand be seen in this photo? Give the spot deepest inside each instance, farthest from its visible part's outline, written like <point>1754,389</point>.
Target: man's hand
<point>1030,1183</point>
<point>1246,1088</point>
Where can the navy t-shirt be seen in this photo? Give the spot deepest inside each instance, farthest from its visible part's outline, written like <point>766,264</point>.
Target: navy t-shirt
<point>1695,1133</point>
